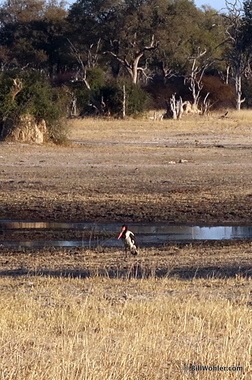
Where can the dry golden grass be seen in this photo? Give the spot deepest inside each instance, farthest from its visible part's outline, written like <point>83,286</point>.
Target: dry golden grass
<point>99,328</point>
<point>144,129</point>
<point>55,327</point>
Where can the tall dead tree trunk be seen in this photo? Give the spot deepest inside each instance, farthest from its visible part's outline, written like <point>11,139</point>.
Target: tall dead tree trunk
<point>174,108</point>
<point>16,88</point>
<point>195,77</point>
<point>124,102</point>
<point>82,77</point>
<point>238,90</point>
<point>132,65</point>
<point>206,105</point>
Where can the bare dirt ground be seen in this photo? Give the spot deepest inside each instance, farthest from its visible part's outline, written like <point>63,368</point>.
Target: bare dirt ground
<point>197,170</point>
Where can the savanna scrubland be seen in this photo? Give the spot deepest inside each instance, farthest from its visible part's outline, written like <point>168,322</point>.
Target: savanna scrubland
<point>69,314</point>
<point>96,314</point>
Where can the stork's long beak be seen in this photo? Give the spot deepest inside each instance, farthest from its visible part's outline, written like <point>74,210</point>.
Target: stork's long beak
<point>124,228</point>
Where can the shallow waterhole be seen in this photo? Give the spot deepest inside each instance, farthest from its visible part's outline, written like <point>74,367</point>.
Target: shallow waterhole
<point>105,234</point>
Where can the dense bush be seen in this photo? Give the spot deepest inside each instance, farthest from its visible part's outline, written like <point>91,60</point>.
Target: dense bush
<point>247,93</point>
<point>85,96</point>
<point>106,98</point>
<point>39,99</point>
<point>221,95</point>
<point>36,98</point>
<point>137,100</point>
<point>7,107</point>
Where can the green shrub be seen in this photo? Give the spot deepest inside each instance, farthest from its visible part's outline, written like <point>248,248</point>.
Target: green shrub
<point>36,98</point>
<point>7,106</point>
<point>95,79</point>
<point>137,100</point>
<point>247,93</point>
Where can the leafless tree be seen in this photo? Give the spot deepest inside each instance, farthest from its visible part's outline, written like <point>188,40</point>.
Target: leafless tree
<point>198,68</point>
<point>195,76</point>
<point>206,105</point>
<point>16,87</point>
<point>92,56</point>
<point>81,76</point>
<point>132,65</point>
<point>237,55</point>
<point>82,73</point>
<point>174,108</point>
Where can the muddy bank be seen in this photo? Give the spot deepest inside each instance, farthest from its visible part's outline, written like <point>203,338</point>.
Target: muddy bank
<point>182,206</point>
<point>196,260</point>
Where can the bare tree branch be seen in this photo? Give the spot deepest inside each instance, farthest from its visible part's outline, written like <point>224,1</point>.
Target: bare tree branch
<point>79,59</point>
<point>133,67</point>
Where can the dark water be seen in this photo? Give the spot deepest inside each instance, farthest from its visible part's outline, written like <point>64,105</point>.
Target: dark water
<point>105,234</point>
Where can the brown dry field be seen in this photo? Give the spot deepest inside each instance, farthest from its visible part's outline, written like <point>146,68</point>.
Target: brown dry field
<point>197,170</point>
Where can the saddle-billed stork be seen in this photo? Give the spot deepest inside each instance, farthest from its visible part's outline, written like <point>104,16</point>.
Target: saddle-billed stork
<point>129,240</point>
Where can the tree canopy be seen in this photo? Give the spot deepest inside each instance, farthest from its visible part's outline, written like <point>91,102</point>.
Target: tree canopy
<point>144,41</point>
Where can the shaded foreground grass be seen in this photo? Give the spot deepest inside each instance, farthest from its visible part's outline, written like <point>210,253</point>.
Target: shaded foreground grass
<point>104,328</point>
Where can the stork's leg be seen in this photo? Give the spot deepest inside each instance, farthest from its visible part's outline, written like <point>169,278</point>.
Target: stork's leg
<point>125,251</point>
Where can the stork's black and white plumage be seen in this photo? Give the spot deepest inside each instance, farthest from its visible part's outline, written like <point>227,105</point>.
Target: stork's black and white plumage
<point>129,240</point>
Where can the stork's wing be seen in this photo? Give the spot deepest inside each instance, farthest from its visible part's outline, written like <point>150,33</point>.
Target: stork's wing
<point>132,238</point>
